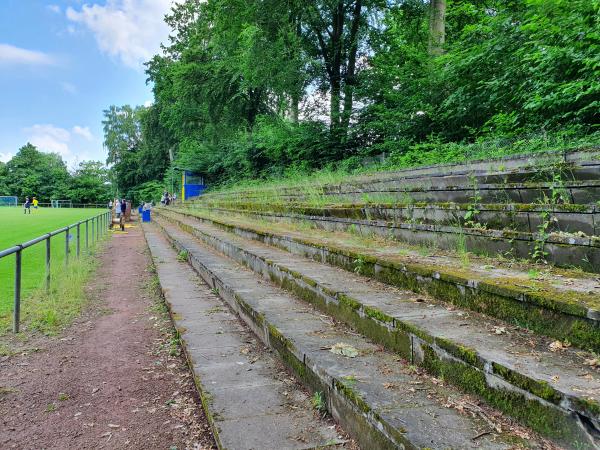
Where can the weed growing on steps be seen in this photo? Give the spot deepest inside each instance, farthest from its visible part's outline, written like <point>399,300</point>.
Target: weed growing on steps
<point>183,256</point>
<point>471,216</point>
<point>461,248</point>
<point>539,253</point>
<point>559,195</point>
<point>359,266</point>
<point>318,402</point>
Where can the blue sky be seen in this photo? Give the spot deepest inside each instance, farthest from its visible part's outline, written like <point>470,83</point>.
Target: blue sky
<point>62,62</point>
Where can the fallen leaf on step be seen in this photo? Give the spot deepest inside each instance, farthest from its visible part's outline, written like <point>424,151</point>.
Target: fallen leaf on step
<point>344,349</point>
<point>555,378</point>
<point>500,330</point>
<point>557,346</point>
<point>592,362</point>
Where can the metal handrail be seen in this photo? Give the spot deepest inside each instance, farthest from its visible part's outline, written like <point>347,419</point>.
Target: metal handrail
<point>99,224</point>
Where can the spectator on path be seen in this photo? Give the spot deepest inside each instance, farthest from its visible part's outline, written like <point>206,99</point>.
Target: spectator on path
<point>118,208</point>
<point>27,206</point>
<point>167,199</point>
<point>110,204</point>
<point>35,203</point>
<point>163,198</point>
<point>147,206</point>
<point>123,207</point>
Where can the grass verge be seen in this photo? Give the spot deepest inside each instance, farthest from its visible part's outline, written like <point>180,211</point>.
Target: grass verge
<point>48,312</point>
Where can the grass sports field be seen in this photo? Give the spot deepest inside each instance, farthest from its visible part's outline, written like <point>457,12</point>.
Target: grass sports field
<point>18,228</point>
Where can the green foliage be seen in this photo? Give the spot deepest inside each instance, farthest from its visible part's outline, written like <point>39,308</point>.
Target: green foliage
<point>31,173</point>
<point>318,402</point>
<point>90,183</point>
<point>262,89</point>
<point>150,191</point>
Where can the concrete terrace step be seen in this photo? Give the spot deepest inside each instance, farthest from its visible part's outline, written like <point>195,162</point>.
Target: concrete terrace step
<point>428,190</point>
<point>571,165</point>
<point>561,304</point>
<point>563,249</point>
<point>581,164</point>
<point>376,397</point>
<point>512,216</point>
<point>250,401</point>
<point>514,370</point>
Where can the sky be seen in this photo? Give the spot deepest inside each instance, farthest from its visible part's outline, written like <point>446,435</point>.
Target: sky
<point>63,62</point>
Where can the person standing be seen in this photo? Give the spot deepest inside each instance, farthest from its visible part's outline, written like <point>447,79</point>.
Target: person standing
<point>35,204</point>
<point>118,208</point>
<point>27,206</point>
<point>123,207</point>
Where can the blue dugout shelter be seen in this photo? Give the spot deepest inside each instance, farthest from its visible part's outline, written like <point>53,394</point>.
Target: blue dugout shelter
<point>192,185</point>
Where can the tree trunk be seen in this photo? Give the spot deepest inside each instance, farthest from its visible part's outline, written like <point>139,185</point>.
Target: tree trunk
<point>350,80</point>
<point>437,27</point>
<point>295,107</point>
<point>335,76</point>
<point>334,104</point>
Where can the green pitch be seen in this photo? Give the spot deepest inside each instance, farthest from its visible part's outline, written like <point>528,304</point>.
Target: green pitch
<point>17,228</point>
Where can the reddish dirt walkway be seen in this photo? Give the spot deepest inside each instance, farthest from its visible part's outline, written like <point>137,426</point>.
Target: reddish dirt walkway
<point>113,380</point>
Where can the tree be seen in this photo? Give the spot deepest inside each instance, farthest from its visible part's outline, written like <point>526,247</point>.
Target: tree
<point>3,178</point>
<point>33,173</point>
<point>90,183</point>
<point>122,139</point>
<point>333,34</point>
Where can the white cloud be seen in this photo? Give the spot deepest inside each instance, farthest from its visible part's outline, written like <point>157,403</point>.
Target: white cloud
<point>129,30</point>
<point>148,103</point>
<point>73,145</point>
<point>84,132</point>
<point>49,138</point>
<point>5,157</point>
<point>54,8</point>
<point>11,55</point>
<point>68,87</point>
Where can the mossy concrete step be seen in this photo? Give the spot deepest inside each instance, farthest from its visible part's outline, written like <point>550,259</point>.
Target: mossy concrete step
<point>513,216</point>
<point>248,397</point>
<point>571,165</point>
<point>561,249</point>
<point>574,192</point>
<point>378,398</point>
<point>514,370</point>
<point>579,165</point>
<point>560,304</point>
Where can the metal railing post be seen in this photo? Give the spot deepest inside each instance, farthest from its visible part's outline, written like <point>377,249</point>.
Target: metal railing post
<point>86,234</point>
<point>92,231</point>
<point>48,262</point>
<point>78,238</point>
<point>67,246</point>
<point>17,307</point>
<point>97,229</point>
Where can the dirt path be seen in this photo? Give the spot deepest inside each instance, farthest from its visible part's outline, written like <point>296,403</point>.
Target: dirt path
<point>114,379</point>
